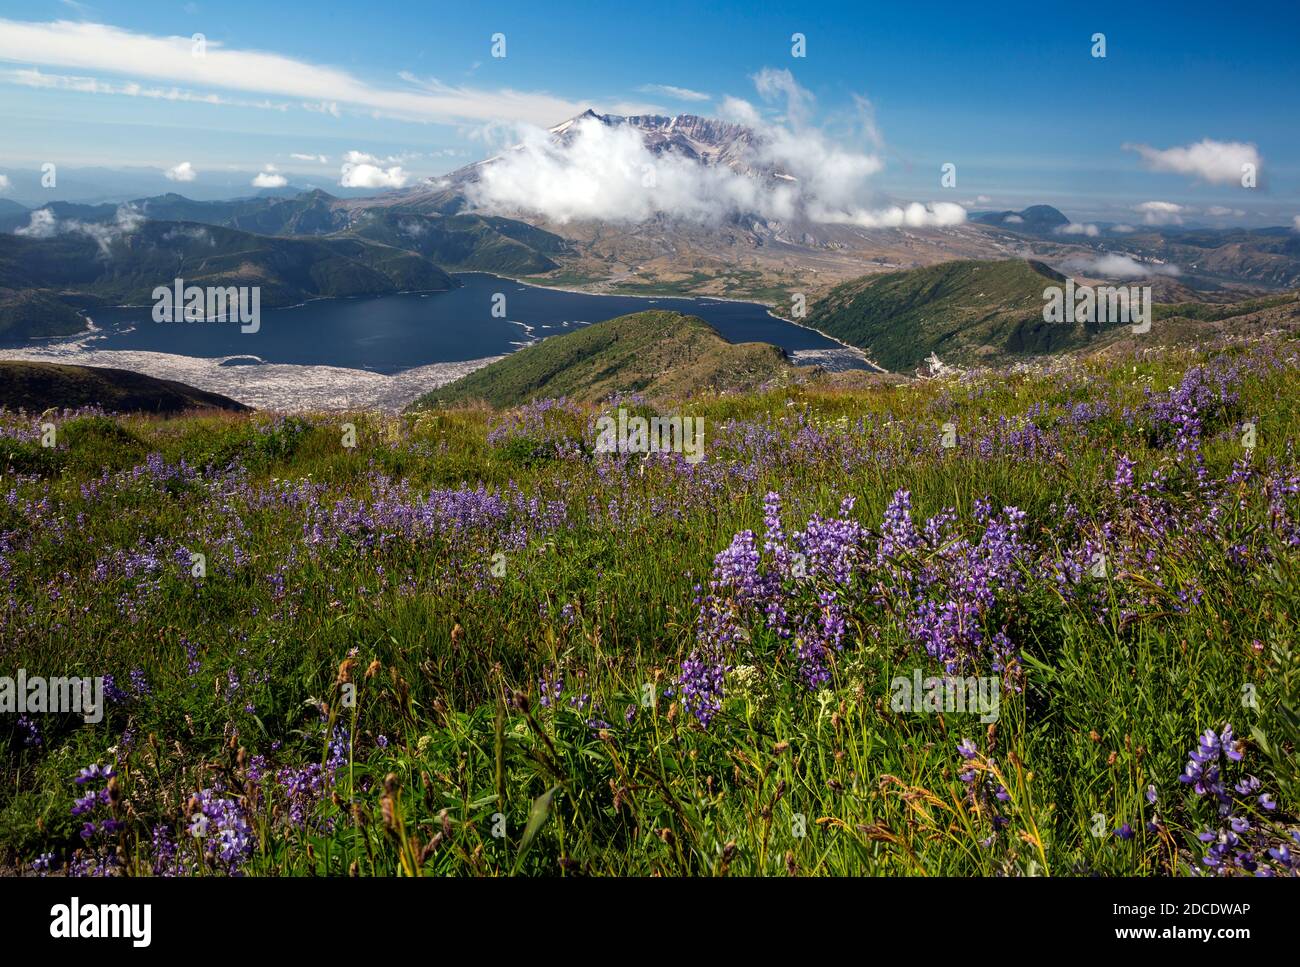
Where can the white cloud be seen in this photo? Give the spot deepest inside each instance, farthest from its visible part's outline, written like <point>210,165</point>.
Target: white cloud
<point>1162,212</point>
<point>318,158</point>
<point>1296,222</point>
<point>1078,228</point>
<point>1013,220</point>
<point>1219,211</point>
<point>739,111</point>
<point>1114,266</point>
<point>42,223</point>
<point>4,182</point>
<point>915,215</point>
<point>606,173</point>
<point>268,178</point>
<point>129,218</point>
<point>1123,229</point>
<point>362,170</point>
<point>90,85</point>
<point>678,93</point>
<point>364,174</point>
<point>194,232</point>
<point>113,50</point>
<point>181,172</point>
<point>1218,162</point>
<point>323,107</point>
<point>773,84</point>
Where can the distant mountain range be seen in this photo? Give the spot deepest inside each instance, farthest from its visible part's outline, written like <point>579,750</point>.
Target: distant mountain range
<point>761,257</point>
<point>121,264</point>
<point>309,245</point>
<point>95,185</point>
<point>971,292</point>
<point>1035,218</point>
<point>11,213</point>
<point>464,243</point>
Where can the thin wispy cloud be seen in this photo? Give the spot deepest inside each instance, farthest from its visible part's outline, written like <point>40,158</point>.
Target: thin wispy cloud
<point>99,47</point>
<point>31,77</point>
<point>676,93</point>
<point>42,223</point>
<point>1077,228</point>
<point>1115,266</point>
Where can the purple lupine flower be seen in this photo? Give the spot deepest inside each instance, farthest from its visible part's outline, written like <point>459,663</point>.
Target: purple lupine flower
<point>1124,477</point>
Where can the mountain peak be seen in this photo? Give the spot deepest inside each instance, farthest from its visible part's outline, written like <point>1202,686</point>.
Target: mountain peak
<point>1035,218</point>
<point>705,140</point>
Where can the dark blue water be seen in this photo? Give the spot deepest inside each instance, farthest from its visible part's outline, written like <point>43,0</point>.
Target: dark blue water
<point>387,334</point>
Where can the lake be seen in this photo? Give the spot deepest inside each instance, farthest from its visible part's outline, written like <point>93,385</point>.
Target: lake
<point>392,333</point>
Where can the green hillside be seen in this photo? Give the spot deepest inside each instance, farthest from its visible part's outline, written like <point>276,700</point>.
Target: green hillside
<point>966,311</point>
<point>463,242</point>
<point>30,313</point>
<point>466,242</point>
<point>117,266</point>
<point>659,354</point>
<point>35,387</point>
<point>12,215</point>
<point>309,213</point>
<point>650,667</point>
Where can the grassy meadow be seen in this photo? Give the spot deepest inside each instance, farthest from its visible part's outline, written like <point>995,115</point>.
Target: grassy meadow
<point>468,645</point>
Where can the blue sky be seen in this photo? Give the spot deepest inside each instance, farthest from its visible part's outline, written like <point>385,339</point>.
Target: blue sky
<point>1011,95</point>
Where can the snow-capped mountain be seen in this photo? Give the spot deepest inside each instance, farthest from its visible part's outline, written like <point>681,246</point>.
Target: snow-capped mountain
<point>664,243</point>
<point>705,140</point>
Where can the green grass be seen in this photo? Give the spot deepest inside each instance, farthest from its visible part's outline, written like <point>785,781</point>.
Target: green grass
<point>1210,312</point>
<point>445,643</point>
<point>662,353</point>
<point>969,312</point>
